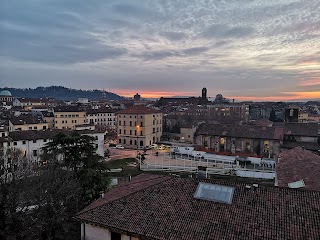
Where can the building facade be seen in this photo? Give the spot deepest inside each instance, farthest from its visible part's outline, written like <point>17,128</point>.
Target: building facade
<point>139,126</point>
<point>69,117</point>
<point>102,117</point>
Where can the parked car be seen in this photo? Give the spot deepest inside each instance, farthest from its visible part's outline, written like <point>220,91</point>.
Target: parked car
<point>154,146</point>
<point>161,147</point>
<point>120,146</point>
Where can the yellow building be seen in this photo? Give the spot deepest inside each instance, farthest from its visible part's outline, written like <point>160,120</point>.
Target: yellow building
<point>69,117</point>
<point>139,126</point>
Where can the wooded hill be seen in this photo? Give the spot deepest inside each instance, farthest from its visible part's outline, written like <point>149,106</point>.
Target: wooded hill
<point>62,93</point>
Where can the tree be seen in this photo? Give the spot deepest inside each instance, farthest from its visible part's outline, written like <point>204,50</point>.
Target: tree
<point>37,201</point>
<point>78,153</point>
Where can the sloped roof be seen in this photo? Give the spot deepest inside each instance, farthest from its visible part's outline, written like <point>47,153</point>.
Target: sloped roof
<point>244,131</point>
<point>25,120</point>
<point>302,129</point>
<point>167,210</point>
<point>299,164</point>
<point>138,109</point>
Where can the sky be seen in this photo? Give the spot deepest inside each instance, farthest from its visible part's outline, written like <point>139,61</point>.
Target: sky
<point>243,49</point>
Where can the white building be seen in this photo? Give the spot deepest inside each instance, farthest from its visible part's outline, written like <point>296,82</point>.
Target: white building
<point>103,117</point>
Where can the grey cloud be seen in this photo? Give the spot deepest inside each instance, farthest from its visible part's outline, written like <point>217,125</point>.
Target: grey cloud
<point>173,36</point>
<point>225,31</point>
<point>55,47</point>
<point>136,11</point>
<point>195,50</point>
<point>157,55</point>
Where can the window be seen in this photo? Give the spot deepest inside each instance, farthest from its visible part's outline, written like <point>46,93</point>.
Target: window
<point>96,137</point>
<point>119,123</point>
<point>140,133</point>
<point>44,127</point>
<point>15,143</point>
<point>35,128</point>
<point>124,131</point>
<point>34,141</point>
<point>30,128</point>
<point>141,143</point>
<point>62,121</point>
<point>124,123</point>
<point>66,121</point>
<point>44,140</point>
<point>135,132</point>
<point>153,130</point>
<point>34,153</point>
<point>124,141</point>
<point>75,121</point>
<point>130,122</point>
<point>119,140</point>
<point>130,142</point>
<point>214,192</point>
<point>23,142</point>
<point>141,124</point>
<point>115,236</point>
<point>119,131</point>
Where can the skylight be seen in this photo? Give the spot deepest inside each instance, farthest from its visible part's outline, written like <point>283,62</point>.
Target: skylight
<point>214,192</point>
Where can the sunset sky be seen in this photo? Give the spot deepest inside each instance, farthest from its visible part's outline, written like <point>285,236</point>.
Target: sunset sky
<point>243,49</point>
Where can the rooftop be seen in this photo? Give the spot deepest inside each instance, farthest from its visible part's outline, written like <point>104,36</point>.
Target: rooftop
<point>299,164</point>
<point>138,109</point>
<point>164,207</point>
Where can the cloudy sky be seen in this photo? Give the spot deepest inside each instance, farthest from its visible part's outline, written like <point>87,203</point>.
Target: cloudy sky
<point>244,49</point>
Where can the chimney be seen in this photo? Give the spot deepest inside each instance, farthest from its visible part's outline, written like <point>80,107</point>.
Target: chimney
<point>202,172</point>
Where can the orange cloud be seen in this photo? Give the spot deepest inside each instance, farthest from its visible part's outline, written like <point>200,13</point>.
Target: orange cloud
<point>310,82</point>
<point>289,96</point>
<point>152,94</point>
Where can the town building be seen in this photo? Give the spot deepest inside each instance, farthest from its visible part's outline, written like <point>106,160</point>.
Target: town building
<point>5,96</point>
<point>166,207</point>
<point>25,123</point>
<point>68,117</point>
<point>103,117</point>
<point>139,126</point>
<point>29,102</point>
<point>31,142</point>
<point>250,139</point>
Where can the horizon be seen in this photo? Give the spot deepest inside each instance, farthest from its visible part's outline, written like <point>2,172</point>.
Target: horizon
<point>248,50</point>
<point>151,96</point>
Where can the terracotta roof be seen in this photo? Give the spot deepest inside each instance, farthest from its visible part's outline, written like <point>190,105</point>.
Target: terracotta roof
<point>45,134</point>
<point>245,131</point>
<point>138,109</point>
<point>101,110</point>
<point>302,129</point>
<point>25,120</point>
<point>167,210</point>
<point>299,164</point>
<point>33,100</point>
<point>68,109</point>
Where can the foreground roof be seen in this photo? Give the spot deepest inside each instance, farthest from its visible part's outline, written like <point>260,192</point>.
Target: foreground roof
<point>163,207</point>
<point>299,164</point>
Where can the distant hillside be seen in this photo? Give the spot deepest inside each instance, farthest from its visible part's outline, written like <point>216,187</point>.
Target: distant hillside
<point>61,93</point>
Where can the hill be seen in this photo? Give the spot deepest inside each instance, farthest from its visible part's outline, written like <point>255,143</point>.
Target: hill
<point>62,93</point>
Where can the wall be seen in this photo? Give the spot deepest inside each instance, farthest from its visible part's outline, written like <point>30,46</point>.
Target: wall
<point>98,233</point>
<point>68,120</point>
<point>94,233</point>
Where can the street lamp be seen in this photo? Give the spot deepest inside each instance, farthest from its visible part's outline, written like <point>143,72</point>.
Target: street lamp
<point>137,134</point>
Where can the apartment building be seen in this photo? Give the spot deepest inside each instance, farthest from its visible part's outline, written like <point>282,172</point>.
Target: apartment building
<point>104,117</point>
<point>68,117</point>
<point>139,126</point>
